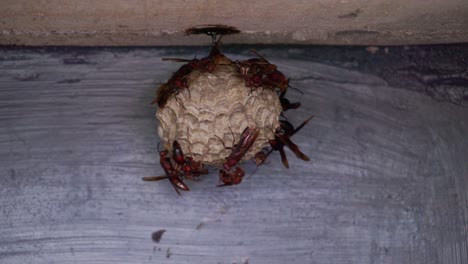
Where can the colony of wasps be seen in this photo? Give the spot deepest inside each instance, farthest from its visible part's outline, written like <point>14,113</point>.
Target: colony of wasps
<point>257,73</point>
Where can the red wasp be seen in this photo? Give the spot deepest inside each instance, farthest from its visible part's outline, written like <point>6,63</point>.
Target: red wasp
<point>177,82</point>
<point>177,153</point>
<point>189,167</point>
<point>231,178</point>
<point>174,85</point>
<point>254,71</point>
<point>247,138</point>
<point>163,93</point>
<point>193,168</point>
<point>171,173</point>
<point>259,72</point>
<point>277,79</point>
<point>179,79</point>
<point>251,67</point>
<point>282,138</point>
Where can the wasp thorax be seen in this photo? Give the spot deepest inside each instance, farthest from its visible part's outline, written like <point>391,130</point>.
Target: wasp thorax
<point>209,116</point>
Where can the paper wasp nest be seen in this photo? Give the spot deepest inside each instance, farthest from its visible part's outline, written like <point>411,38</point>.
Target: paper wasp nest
<point>216,107</point>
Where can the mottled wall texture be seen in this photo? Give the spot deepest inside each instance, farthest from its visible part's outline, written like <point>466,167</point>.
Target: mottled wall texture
<point>157,22</point>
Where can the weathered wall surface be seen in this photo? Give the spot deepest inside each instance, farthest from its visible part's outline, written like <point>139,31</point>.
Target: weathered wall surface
<point>387,181</point>
<point>157,22</point>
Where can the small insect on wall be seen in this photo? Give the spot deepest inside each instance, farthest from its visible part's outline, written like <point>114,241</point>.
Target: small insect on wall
<point>218,112</point>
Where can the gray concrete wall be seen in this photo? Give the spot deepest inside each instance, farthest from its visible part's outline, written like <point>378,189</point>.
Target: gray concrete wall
<point>153,22</point>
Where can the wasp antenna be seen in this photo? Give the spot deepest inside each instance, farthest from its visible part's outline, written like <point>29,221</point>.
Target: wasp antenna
<point>258,55</point>
<point>233,137</point>
<point>222,141</point>
<point>302,125</point>
<point>154,178</point>
<point>176,59</point>
<point>297,89</point>
<point>253,171</point>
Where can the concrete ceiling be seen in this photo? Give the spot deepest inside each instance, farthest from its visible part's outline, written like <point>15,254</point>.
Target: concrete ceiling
<point>153,22</point>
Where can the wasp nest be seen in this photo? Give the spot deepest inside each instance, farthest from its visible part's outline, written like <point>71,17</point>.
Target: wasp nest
<point>209,114</point>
